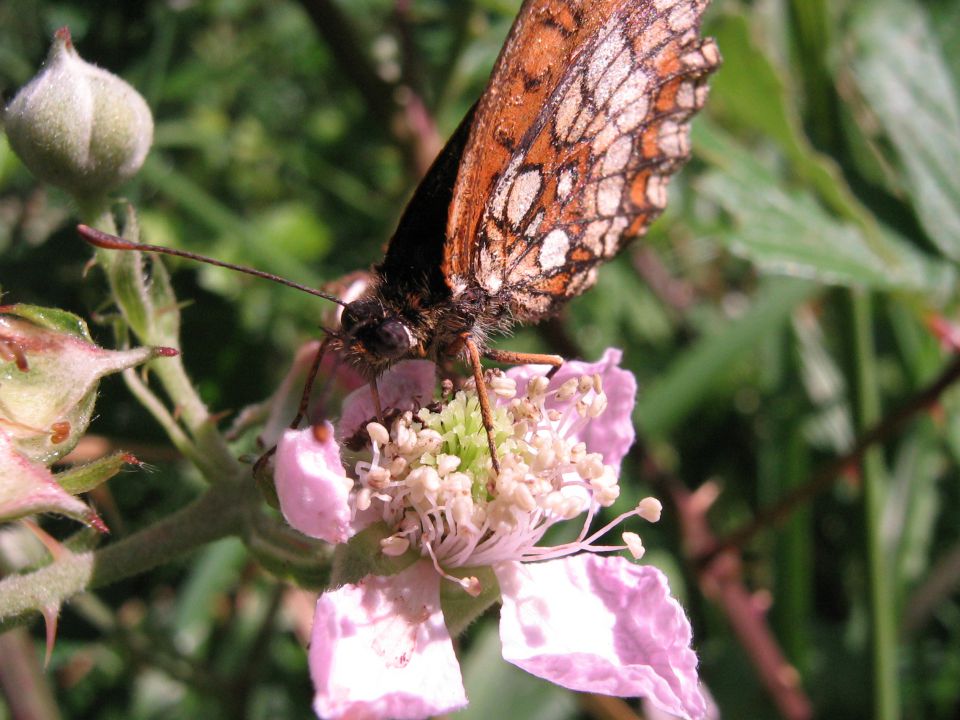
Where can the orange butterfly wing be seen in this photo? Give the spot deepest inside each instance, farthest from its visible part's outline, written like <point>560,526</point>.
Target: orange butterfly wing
<point>584,120</point>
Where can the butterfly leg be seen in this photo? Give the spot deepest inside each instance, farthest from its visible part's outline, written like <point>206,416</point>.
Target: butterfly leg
<point>517,358</point>
<point>375,395</point>
<point>485,411</point>
<point>261,463</point>
<point>308,385</point>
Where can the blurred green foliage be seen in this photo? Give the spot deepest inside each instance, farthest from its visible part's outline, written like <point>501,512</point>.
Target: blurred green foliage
<point>783,295</point>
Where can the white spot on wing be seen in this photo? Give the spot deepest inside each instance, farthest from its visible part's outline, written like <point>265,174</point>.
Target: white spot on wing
<point>499,200</point>
<point>612,77</point>
<point>593,236</point>
<point>569,107</point>
<point>633,115</point>
<point>673,139</point>
<point>682,17</point>
<point>579,125</point>
<point>553,252</point>
<point>686,97</point>
<point>608,195</point>
<point>611,46</point>
<point>617,155</point>
<point>657,191</point>
<point>565,183</point>
<point>534,224</point>
<point>611,241</point>
<point>488,274</point>
<point>522,194</point>
<point>632,88</point>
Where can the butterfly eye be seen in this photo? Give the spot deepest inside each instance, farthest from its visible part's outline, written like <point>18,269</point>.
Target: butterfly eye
<point>391,339</point>
<point>359,315</point>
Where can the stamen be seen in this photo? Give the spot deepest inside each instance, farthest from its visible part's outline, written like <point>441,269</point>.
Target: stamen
<point>394,545</point>
<point>378,433</point>
<point>650,509</point>
<point>634,544</point>
<point>430,476</point>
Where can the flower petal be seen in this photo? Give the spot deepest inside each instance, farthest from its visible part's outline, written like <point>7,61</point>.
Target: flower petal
<point>408,385</point>
<point>600,624</point>
<point>380,649</point>
<point>27,487</point>
<point>611,434</point>
<point>312,486</point>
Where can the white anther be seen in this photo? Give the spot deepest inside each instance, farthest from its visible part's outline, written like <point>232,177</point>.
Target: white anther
<point>394,545</point>
<point>362,500</point>
<point>377,477</point>
<point>567,390</point>
<point>537,386</point>
<point>472,586</point>
<point>634,544</point>
<point>591,466</point>
<point>462,509</point>
<point>523,498</point>
<point>650,509</point>
<point>503,386</point>
<point>378,433</point>
<point>398,465</point>
<point>598,405</point>
<point>423,481</point>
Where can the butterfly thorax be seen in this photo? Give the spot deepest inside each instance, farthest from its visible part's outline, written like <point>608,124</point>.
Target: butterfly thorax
<point>402,320</point>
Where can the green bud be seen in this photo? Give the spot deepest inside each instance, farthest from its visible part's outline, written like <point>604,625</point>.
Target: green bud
<point>49,371</point>
<point>78,126</point>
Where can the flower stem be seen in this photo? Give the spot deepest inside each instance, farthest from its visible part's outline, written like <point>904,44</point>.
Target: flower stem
<point>882,608</point>
<point>216,514</point>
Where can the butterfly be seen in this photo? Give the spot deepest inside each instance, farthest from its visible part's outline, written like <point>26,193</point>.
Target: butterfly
<point>566,156</point>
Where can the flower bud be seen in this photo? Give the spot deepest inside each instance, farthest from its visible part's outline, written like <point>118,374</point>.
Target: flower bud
<point>78,126</point>
<point>49,371</point>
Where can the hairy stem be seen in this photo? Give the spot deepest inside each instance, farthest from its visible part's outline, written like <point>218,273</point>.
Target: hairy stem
<point>216,514</point>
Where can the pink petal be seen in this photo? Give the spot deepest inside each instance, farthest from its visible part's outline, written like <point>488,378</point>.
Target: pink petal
<point>408,385</point>
<point>603,625</point>
<point>312,486</point>
<point>380,649</point>
<point>612,433</point>
<point>27,488</point>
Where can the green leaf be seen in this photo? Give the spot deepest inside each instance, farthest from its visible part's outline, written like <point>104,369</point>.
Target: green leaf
<point>749,92</point>
<point>84,478</point>
<point>491,681</point>
<point>900,68</point>
<point>785,230</point>
<point>677,393</point>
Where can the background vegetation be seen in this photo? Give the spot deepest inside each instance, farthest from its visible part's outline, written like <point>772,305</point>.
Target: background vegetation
<point>778,312</point>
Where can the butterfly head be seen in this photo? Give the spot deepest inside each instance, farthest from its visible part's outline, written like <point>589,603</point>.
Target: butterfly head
<point>372,337</point>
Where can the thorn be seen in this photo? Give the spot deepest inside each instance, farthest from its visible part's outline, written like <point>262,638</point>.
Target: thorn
<point>51,617</point>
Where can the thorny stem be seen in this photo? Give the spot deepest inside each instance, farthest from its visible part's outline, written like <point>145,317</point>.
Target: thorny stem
<point>207,442</point>
<point>216,514</point>
<point>721,580</point>
<point>882,430</point>
<point>160,413</point>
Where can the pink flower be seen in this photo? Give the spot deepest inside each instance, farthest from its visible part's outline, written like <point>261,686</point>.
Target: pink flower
<point>381,647</point>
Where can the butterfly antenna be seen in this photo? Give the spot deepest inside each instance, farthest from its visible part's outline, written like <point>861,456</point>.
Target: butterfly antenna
<point>112,242</point>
